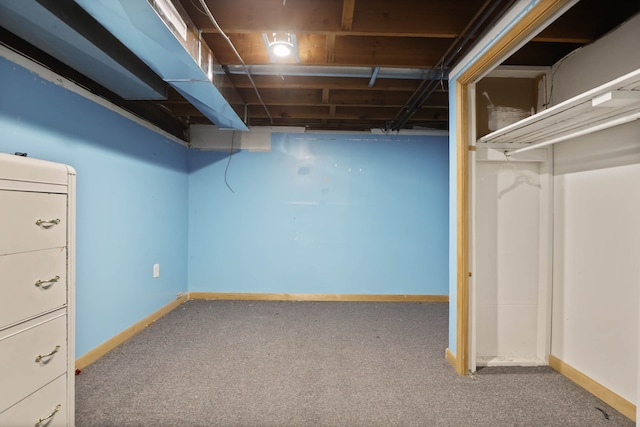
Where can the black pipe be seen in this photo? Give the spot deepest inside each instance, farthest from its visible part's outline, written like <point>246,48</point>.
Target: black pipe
<point>428,86</point>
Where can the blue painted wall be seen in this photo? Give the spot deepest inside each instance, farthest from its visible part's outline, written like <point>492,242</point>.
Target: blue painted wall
<point>348,214</point>
<point>131,199</point>
<point>318,214</point>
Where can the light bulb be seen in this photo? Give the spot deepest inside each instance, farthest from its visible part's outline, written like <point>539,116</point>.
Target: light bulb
<point>281,49</point>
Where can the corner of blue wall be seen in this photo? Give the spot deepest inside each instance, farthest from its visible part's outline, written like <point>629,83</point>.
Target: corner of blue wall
<point>132,186</point>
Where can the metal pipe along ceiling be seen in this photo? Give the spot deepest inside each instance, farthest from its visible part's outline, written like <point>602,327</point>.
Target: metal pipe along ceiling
<point>330,71</point>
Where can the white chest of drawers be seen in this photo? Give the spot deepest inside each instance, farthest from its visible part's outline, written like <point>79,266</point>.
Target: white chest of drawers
<point>37,291</point>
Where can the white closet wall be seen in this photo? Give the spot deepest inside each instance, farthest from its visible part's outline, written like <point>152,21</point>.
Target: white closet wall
<point>597,226</point>
<point>590,218</point>
<point>512,278</point>
<point>597,256</point>
<point>610,57</point>
<point>508,234</point>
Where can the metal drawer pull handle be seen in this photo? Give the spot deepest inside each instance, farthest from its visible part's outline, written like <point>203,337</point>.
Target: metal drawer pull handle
<point>42,356</point>
<point>48,222</point>
<point>48,417</point>
<point>51,281</point>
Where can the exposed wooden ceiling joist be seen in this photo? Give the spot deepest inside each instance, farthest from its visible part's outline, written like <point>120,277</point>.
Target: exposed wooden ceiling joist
<point>405,34</point>
<point>348,7</point>
<point>300,82</point>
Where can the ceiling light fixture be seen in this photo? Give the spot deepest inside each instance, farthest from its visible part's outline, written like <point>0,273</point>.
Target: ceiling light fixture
<point>281,45</point>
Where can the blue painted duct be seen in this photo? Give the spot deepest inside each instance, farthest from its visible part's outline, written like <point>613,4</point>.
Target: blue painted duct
<point>32,22</point>
<point>137,25</point>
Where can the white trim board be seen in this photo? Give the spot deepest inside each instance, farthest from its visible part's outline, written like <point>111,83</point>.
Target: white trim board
<point>497,361</point>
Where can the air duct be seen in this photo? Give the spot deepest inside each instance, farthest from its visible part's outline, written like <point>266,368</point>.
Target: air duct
<point>168,43</point>
<point>64,30</point>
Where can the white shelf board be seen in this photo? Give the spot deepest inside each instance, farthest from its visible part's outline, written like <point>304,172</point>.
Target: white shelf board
<point>573,117</point>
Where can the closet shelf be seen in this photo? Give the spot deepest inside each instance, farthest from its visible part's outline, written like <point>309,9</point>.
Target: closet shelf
<point>611,104</point>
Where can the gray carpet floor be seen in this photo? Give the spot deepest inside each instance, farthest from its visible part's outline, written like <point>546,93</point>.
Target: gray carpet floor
<point>249,363</point>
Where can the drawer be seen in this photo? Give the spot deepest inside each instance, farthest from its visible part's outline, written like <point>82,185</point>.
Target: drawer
<point>39,405</point>
<point>32,221</point>
<point>20,365</point>
<point>28,282</point>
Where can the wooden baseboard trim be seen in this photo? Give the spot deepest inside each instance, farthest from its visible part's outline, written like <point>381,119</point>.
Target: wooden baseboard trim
<point>613,399</point>
<point>93,355</point>
<point>317,297</point>
<point>451,358</point>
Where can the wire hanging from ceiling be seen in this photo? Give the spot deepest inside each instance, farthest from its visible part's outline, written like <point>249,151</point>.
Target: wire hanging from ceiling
<point>244,65</point>
<point>226,169</point>
<point>193,3</point>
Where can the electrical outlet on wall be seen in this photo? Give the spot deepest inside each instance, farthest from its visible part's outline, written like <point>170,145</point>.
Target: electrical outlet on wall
<point>156,270</point>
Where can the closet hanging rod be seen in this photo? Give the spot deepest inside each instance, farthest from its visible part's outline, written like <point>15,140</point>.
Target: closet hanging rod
<point>585,131</point>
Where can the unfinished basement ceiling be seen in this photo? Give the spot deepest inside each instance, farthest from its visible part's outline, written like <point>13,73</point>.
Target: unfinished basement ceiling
<point>361,62</point>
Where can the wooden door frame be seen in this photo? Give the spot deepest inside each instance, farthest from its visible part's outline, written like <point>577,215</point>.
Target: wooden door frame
<point>520,31</point>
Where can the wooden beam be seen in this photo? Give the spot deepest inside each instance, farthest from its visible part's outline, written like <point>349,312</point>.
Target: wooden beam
<point>343,113</point>
<point>311,48</point>
<point>330,48</point>
<point>322,98</point>
<point>389,51</point>
<point>387,113</point>
<point>555,37</point>
<point>289,112</point>
<point>298,82</point>
<point>346,50</point>
<point>325,96</point>
<point>429,35</point>
<point>269,15</point>
<point>338,124</point>
<point>400,18</point>
<point>343,98</point>
<point>389,98</point>
<point>348,7</point>
<point>283,97</point>
<point>437,18</point>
